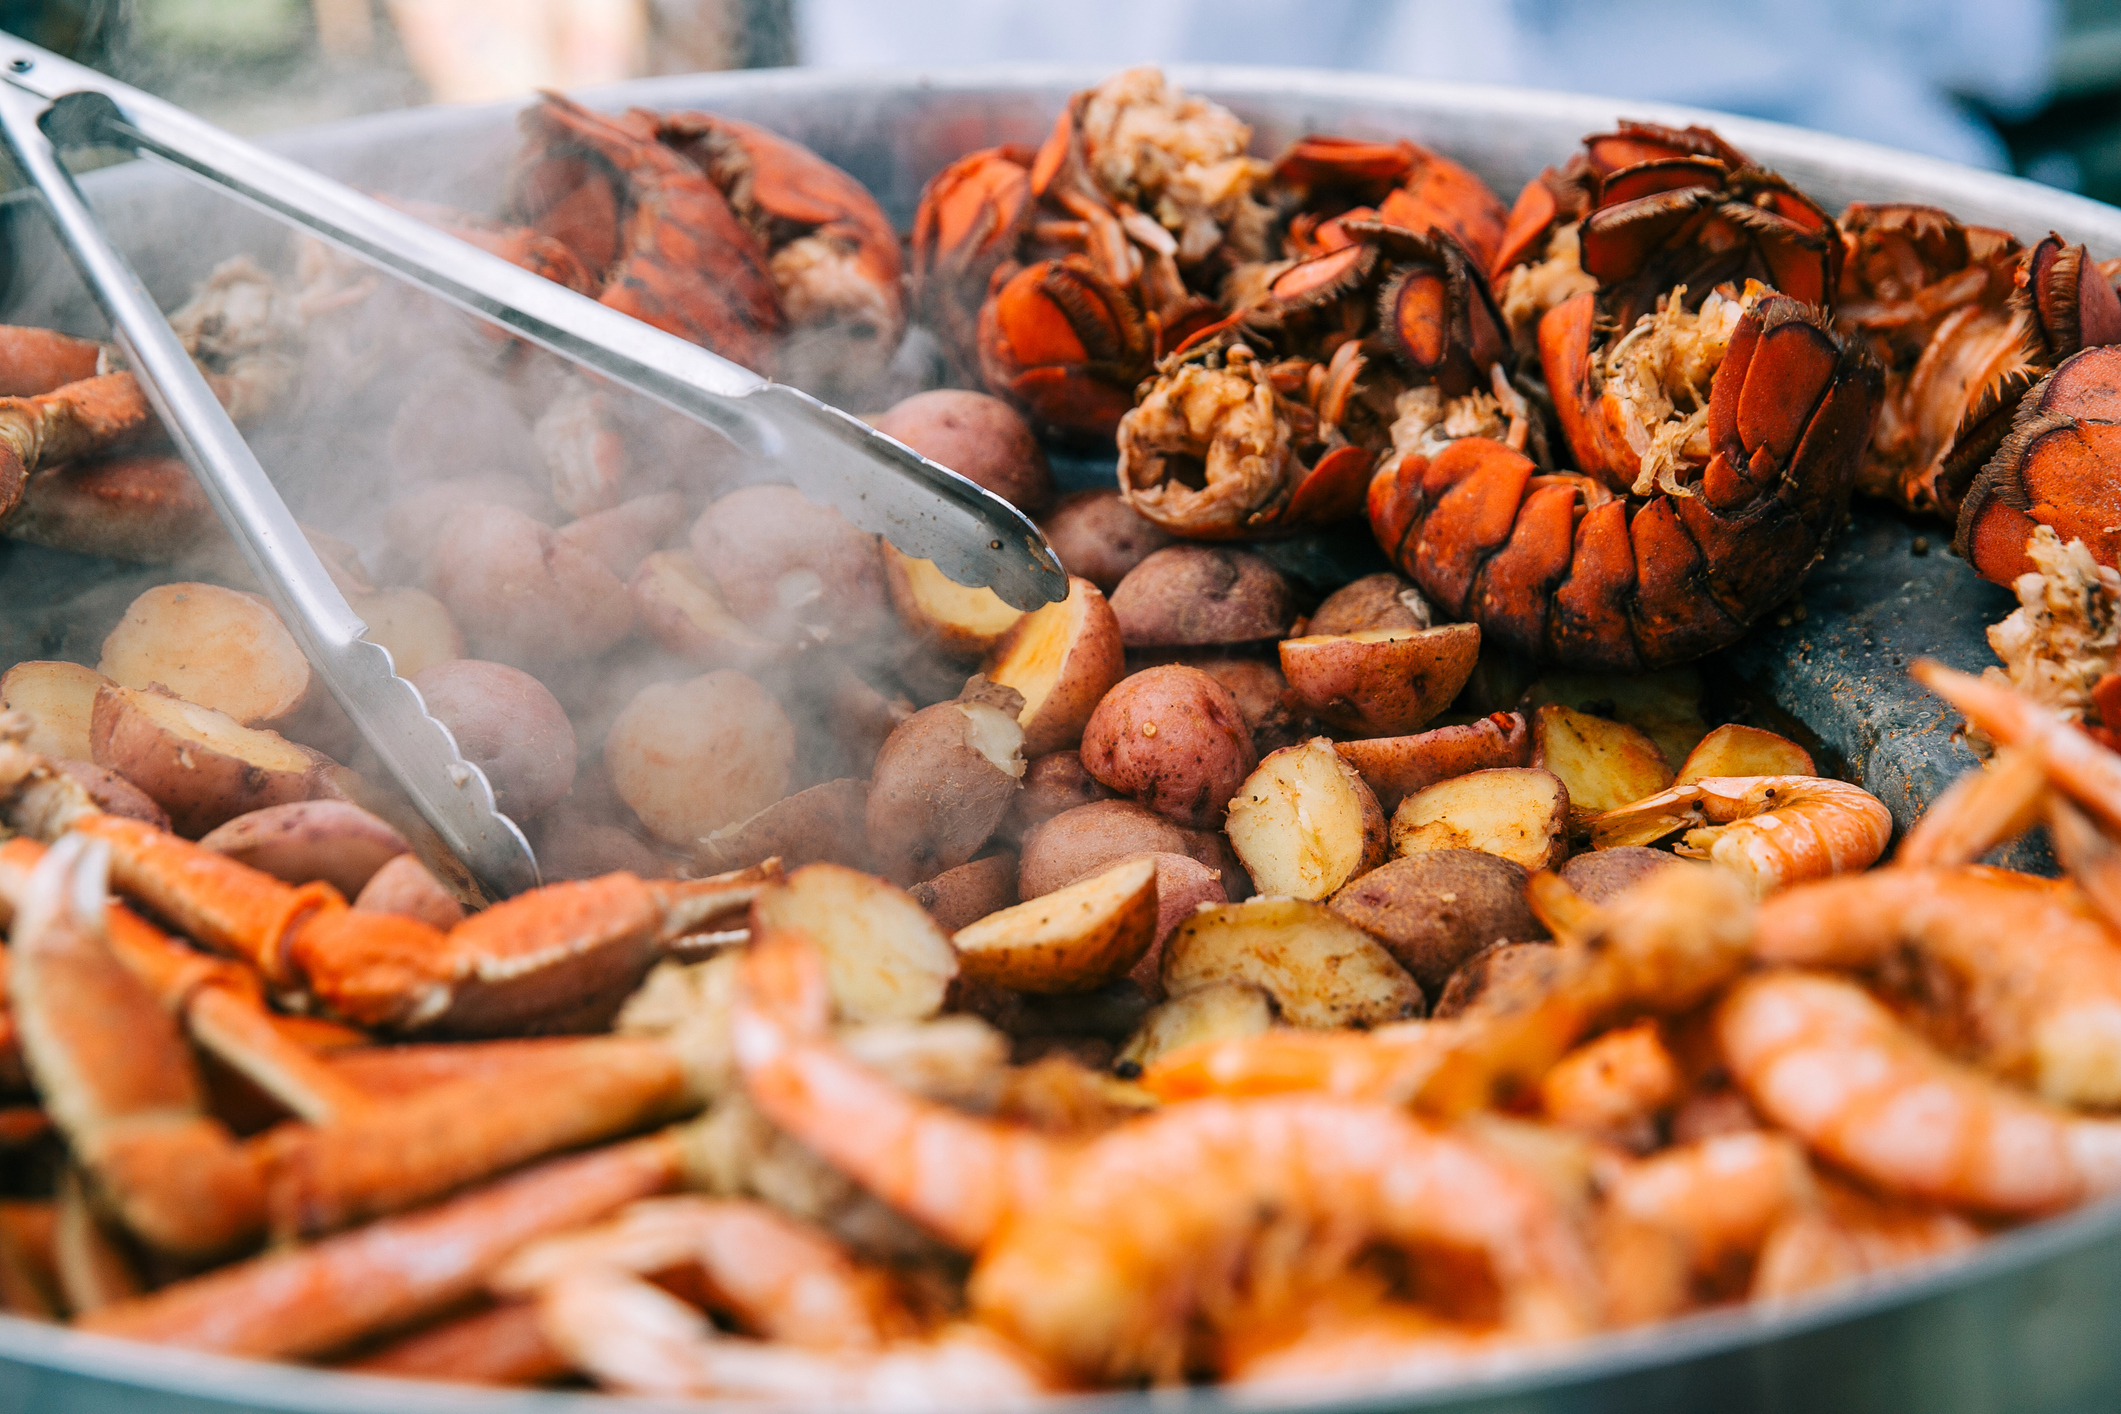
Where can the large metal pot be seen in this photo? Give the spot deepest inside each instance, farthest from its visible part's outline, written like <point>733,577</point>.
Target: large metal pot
<point>2028,1322</point>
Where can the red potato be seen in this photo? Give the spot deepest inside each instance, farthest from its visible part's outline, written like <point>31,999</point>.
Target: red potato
<point>691,757</point>
<point>578,847</point>
<point>1262,695</point>
<point>1075,939</point>
<point>1092,838</point>
<point>201,766</point>
<point>962,621</point>
<point>979,437</point>
<point>825,824</point>
<point>1380,682</point>
<point>1052,783</point>
<point>678,604</point>
<point>792,570</point>
<point>458,422</point>
<point>1376,601</point>
<point>407,887</point>
<point>1435,908</point>
<point>1604,763</point>
<point>1520,813</point>
<point>412,525</point>
<point>1196,595</point>
<point>958,897</point>
<point>1098,536</point>
<point>112,793</point>
<point>522,595</point>
<point>1305,824</point>
<point>1734,750</point>
<point>1173,739</point>
<point>941,785</point>
<point>508,725</point>
<point>1183,884</point>
<point>413,624</point>
<point>1602,875</point>
<point>213,646</point>
<point>1064,658</point>
<point>59,699</point>
<point>333,840</point>
<point>1399,766</point>
<point>620,538</point>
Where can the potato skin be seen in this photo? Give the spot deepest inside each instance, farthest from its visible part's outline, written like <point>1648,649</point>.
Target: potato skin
<point>508,725</point>
<point>1187,595</point>
<point>964,895</point>
<point>979,437</point>
<point>1488,979</point>
<point>1371,687</point>
<point>1099,537</point>
<point>1262,695</point>
<point>1173,739</point>
<point>1091,662</point>
<point>1092,838</point>
<point>1399,766</point>
<point>520,593</point>
<point>1053,783</point>
<point>1374,601</point>
<point>113,794</point>
<point>824,824</point>
<point>1602,875</point>
<point>1182,885</point>
<point>934,798</point>
<point>691,757</point>
<point>333,840</point>
<point>790,568</point>
<point>405,886</point>
<point>1434,909</point>
<point>198,786</point>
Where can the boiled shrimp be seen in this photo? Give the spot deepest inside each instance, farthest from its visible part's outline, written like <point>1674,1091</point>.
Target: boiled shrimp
<point>1720,1197</point>
<point>2031,975</point>
<point>1100,1256</point>
<point>2076,765</point>
<point>1828,1063</point>
<point>777,1278</point>
<point>1849,1235</point>
<point>1977,812</point>
<point>632,1336</point>
<point>1770,830</point>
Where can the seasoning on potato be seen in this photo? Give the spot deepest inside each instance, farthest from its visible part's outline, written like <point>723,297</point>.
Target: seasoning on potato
<point>1305,824</point>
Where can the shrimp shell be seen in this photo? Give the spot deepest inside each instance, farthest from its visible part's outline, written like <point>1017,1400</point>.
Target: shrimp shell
<point>1770,830</point>
<point>1822,1059</point>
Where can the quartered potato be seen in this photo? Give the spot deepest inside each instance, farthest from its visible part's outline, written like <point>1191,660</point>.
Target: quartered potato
<point>941,784</point>
<point>1398,766</point>
<point>958,897</point>
<point>678,604</point>
<point>884,956</point>
<point>1380,681</point>
<point>212,646</point>
<point>59,698</point>
<point>1604,763</point>
<point>1219,1011</point>
<point>1520,813</point>
<point>1664,706</point>
<point>1063,658</point>
<point>1320,969</point>
<point>202,766</point>
<point>1734,750</point>
<point>963,621</point>
<point>1074,939</point>
<point>1304,823</point>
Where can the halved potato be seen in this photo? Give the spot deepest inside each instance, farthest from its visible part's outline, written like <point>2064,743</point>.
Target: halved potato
<point>1664,706</point>
<point>1604,763</point>
<point>59,698</point>
<point>1398,766</point>
<point>886,959</point>
<point>1074,939</point>
<point>941,784</point>
<point>1380,681</point>
<point>333,840</point>
<point>1520,813</point>
<point>1320,969</point>
<point>414,625</point>
<point>213,646</point>
<point>1063,658</point>
<point>1304,823</point>
<point>679,605</point>
<point>202,766</point>
<point>1220,1011</point>
<point>1744,751</point>
<point>821,825</point>
<point>961,620</point>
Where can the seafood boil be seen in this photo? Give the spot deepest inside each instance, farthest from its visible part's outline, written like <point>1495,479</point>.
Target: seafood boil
<point>1216,976</point>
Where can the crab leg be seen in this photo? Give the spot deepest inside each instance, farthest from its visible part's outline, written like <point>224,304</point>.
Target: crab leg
<point>93,1270</point>
<point>393,1272</point>
<point>115,1073</point>
<point>34,361</point>
<point>502,1345</point>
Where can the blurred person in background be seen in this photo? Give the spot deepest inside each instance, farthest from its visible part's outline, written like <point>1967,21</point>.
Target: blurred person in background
<point>1891,71</point>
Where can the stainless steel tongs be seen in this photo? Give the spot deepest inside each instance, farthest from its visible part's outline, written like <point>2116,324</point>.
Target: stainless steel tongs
<point>48,104</point>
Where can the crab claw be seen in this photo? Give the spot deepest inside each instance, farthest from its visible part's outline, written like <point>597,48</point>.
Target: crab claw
<point>1064,344</point>
<point>2055,469</point>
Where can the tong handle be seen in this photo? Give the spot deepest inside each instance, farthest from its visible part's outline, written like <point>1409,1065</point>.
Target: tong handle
<point>418,751</point>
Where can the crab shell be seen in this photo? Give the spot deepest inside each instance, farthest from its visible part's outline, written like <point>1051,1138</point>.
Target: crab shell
<point>1406,185</point>
<point>1560,569</point>
<point>2056,468</point>
<point>652,228</point>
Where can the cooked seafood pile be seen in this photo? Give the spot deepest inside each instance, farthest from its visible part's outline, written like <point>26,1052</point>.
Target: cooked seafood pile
<point>1215,975</point>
